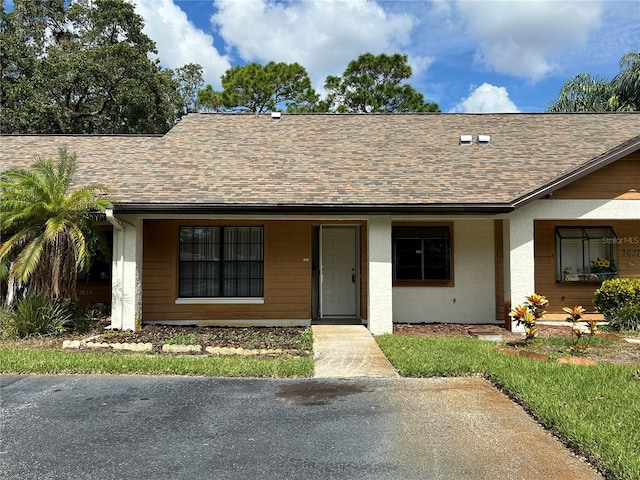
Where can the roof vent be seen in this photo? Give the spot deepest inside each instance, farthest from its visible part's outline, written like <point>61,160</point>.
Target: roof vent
<point>465,139</point>
<point>484,139</point>
<point>276,115</point>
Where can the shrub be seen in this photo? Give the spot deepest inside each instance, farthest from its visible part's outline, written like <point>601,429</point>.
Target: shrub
<point>577,330</point>
<point>36,314</point>
<point>85,320</point>
<point>529,313</point>
<point>616,294</point>
<point>626,318</point>
<point>7,326</point>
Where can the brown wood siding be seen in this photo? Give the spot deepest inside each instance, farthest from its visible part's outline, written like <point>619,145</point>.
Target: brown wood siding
<point>287,273</point>
<point>570,294</point>
<point>619,180</point>
<point>499,257</point>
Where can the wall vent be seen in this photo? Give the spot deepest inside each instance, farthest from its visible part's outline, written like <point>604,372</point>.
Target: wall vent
<point>276,115</point>
<point>484,139</point>
<point>466,139</point>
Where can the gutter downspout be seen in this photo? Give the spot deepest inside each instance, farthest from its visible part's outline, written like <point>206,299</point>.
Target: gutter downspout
<point>117,284</point>
<point>111,219</point>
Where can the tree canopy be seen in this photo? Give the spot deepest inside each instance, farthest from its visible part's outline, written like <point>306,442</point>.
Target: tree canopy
<point>84,67</point>
<point>370,84</point>
<point>260,88</point>
<point>589,93</point>
<point>375,84</point>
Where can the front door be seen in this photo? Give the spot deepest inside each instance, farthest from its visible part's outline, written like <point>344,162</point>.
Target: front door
<point>338,273</point>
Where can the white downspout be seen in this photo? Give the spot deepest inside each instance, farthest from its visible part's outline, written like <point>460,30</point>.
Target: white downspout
<point>111,219</point>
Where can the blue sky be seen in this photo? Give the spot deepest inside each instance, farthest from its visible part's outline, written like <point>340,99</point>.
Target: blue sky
<point>469,56</point>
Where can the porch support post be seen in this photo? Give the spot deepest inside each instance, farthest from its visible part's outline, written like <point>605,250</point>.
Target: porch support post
<point>520,277</point>
<point>126,285</point>
<point>380,303</point>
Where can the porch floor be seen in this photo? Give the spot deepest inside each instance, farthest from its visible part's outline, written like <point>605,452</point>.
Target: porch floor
<point>345,351</point>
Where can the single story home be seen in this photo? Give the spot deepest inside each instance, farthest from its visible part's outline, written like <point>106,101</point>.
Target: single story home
<point>294,218</point>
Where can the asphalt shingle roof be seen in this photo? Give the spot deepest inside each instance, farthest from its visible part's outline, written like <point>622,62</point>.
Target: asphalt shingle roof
<point>336,159</point>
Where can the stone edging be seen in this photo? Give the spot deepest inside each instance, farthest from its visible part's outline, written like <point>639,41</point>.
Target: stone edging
<point>541,356</point>
<point>173,348</point>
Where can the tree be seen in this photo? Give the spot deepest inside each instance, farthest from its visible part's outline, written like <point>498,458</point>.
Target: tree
<point>209,100</point>
<point>84,67</point>
<point>587,93</point>
<point>375,84</point>
<point>260,89</point>
<point>627,82</point>
<point>45,226</point>
<point>189,80</point>
<point>584,93</point>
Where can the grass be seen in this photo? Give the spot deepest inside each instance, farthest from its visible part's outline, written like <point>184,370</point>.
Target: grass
<point>595,410</point>
<point>43,355</point>
<point>48,361</point>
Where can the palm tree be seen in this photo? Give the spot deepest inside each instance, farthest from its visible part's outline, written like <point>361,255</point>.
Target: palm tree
<point>586,93</point>
<point>45,226</point>
<point>627,82</point>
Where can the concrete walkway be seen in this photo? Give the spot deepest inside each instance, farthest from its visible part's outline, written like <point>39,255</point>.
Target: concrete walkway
<point>346,351</point>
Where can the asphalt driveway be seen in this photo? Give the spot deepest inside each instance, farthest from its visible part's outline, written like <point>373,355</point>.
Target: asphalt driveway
<point>91,427</point>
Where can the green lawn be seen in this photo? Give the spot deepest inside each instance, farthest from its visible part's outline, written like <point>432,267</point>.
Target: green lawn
<point>50,361</point>
<point>596,410</point>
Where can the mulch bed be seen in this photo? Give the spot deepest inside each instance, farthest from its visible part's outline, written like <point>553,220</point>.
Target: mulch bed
<point>250,338</point>
<point>231,337</point>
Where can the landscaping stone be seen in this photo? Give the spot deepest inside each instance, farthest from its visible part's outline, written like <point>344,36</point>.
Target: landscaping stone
<point>524,353</point>
<point>181,348</point>
<point>141,347</point>
<point>488,337</point>
<point>577,361</point>
<point>132,346</point>
<point>635,341</point>
<point>533,355</point>
<point>97,345</point>
<point>71,344</point>
<point>610,336</point>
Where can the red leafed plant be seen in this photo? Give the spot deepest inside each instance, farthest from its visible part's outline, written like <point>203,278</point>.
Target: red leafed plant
<point>575,317</point>
<point>529,313</point>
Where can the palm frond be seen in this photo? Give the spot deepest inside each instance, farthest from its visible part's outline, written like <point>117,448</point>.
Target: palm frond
<point>46,224</point>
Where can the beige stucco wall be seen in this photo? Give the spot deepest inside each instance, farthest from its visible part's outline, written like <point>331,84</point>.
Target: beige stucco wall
<point>471,298</point>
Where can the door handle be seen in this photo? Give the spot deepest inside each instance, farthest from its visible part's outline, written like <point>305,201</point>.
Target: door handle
<point>353,277</point>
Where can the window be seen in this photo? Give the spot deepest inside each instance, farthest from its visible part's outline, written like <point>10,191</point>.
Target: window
<point>221,262</point>
<point>422,254</point>
<point>100,266</point>
<point>585,254</point>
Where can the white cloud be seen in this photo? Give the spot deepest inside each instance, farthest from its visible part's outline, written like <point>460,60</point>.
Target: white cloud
<point>523,38</point>
<point>178,41</point>
<point>487,98</point>
<point>321,35</point>
<point>419,66</point>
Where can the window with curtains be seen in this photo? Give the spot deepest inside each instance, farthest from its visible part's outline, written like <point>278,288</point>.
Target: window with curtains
<point>422,254</point>
<point>221,262</point>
